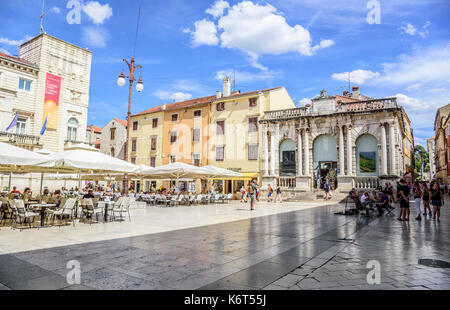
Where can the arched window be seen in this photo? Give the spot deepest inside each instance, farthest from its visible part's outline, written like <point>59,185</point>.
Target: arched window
<point>367,155</point>
<point>72,127</point>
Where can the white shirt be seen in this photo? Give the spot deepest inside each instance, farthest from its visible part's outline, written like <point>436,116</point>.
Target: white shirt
<point>364,198</point>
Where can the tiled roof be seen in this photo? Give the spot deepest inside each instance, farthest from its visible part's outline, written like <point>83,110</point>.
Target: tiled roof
<point>123,122</point>
<point>96,129</point>
<point>97,142</point>
<point>198,101</point>
<point>18,60</point>
<point>344,99</point>
<point>179,105</point>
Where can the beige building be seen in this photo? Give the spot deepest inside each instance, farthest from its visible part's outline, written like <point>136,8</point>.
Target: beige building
<point>442,143</point>
<point>431,157</point>
<point>234,131</point>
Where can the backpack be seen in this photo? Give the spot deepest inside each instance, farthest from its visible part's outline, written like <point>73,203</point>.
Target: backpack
<point>250,189</point>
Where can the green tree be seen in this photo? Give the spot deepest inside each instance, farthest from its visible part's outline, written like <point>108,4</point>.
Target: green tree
<point>421,155</point>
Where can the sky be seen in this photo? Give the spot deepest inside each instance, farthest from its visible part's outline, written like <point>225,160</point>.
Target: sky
<point>389,48</point>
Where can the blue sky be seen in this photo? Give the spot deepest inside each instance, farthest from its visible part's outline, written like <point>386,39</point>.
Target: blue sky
<point>186,47</point>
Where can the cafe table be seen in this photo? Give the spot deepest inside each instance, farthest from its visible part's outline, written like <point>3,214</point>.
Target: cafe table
<point>107,205</point>
<point>43,207</point>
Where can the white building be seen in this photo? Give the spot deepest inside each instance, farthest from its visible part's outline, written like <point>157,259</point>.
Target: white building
<point>355,139</point>
<point>23,82</point>
<point>114,137</point>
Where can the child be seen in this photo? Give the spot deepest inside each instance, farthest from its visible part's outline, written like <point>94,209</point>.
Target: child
<point>269,193</point>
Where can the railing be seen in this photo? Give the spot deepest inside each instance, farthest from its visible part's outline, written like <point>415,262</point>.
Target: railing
<point>19,139</point>
<point>368,105</point>
<point>287,182</point>
<point>289,113</point>
<point>359,106</point>
<point>367,182</point>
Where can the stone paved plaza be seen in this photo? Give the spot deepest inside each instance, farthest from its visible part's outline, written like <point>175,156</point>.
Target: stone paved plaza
<point>294,246</point>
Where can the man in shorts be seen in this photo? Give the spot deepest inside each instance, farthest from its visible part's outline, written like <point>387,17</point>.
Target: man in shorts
<point>252,190</point>
<point>403,192</point>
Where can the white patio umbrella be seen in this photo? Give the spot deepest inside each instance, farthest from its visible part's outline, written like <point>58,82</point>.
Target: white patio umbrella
<point>217,172</point>
<point>16,159</point>
<point>176,171</point>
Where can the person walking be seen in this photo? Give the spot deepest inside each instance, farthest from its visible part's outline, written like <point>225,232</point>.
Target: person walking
<point>269,193</point>
<point>403,193</point>
<point>417,199</point>
<point>251,189</point>
<point>326,188</point>
<point>437,200</point>
<point>278,194</point>
<point>426,199</point>
<point>243,194</point>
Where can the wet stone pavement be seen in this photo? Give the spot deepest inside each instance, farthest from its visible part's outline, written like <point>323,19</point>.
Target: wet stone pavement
<point>306,249</point>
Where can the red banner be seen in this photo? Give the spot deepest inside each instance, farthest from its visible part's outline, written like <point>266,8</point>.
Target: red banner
<point>51,100</point>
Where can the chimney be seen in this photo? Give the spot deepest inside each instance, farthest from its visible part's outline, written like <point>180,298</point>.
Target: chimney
<point>219,94</point>
<point>226,87</point>
<point>164,107</point>
<point>345,93</point>
<point>355,92</point>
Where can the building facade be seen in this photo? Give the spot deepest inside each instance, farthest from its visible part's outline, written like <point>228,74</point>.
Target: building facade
<point>113,138</point>
<point>17,97</point>
<point>431,157</point>
<point>442,143</point>
<point>235,134</point>
<point>357,143</point>
<point>64,70</point>
<point>93,135</point>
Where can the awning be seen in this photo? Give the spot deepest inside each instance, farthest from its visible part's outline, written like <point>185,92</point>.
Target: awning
<point>246,176</point>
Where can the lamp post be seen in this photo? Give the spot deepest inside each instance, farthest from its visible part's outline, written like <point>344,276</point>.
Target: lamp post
<point>139,87</point>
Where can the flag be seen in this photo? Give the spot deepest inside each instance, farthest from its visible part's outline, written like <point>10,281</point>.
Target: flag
<point>44,126</point>
<point>14,122</point>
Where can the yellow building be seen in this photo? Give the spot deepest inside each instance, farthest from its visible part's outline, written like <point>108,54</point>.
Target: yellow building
<point>235,139</point>
<point>408,147</point>
<point>146,141</point>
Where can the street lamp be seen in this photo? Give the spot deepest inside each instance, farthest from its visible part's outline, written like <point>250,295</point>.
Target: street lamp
<point>121,81</point>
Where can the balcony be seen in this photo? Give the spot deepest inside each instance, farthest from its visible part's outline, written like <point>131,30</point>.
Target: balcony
<point>20,140</point>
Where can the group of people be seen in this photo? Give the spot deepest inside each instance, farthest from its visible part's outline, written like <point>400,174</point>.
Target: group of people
<point>430,195</point>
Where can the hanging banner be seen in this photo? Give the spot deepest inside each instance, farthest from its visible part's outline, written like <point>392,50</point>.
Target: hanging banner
<point>51,100</point>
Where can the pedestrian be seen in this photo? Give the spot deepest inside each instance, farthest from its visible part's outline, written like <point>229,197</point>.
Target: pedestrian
<point>326,188</point>
<point>403,193</point>
<point>251,189</point>
<point>269,193</point>
<point>437,200</point>
<point>390,192</point>
<point>426,199</point>
<point>243,194</point>
<point>417,199</point>
<point>278,194</point>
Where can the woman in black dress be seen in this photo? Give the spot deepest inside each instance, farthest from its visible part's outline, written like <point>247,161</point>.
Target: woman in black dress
<point>437,200</point>
<point>426,199</point>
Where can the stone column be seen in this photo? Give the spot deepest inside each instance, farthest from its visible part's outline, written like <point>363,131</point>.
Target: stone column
<point>266,150</point>
<point>272,151</point>
<point>299,153</point>
<point>276,153</point>
<point>349,151</point>
<point>392,148</point>
<point>306,152</point>
<point>341,151</point>
<point>383,151</point>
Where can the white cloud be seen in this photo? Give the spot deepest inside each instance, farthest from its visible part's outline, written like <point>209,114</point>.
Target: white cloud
<point>97,12</point>
<point>410,102</point>
<point>245,76</point>
<point>96,37</point>
<point>173,96</point>
<point>218,8</point>
<point>323,44</point>
<point>412,30</point>
<point>257,30</point>
<point>205,33</point>
<point>14,42</point>
<point>56,10</point>
<point>303,102</point>
<point>356,76</point>
<point>408,29</point>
